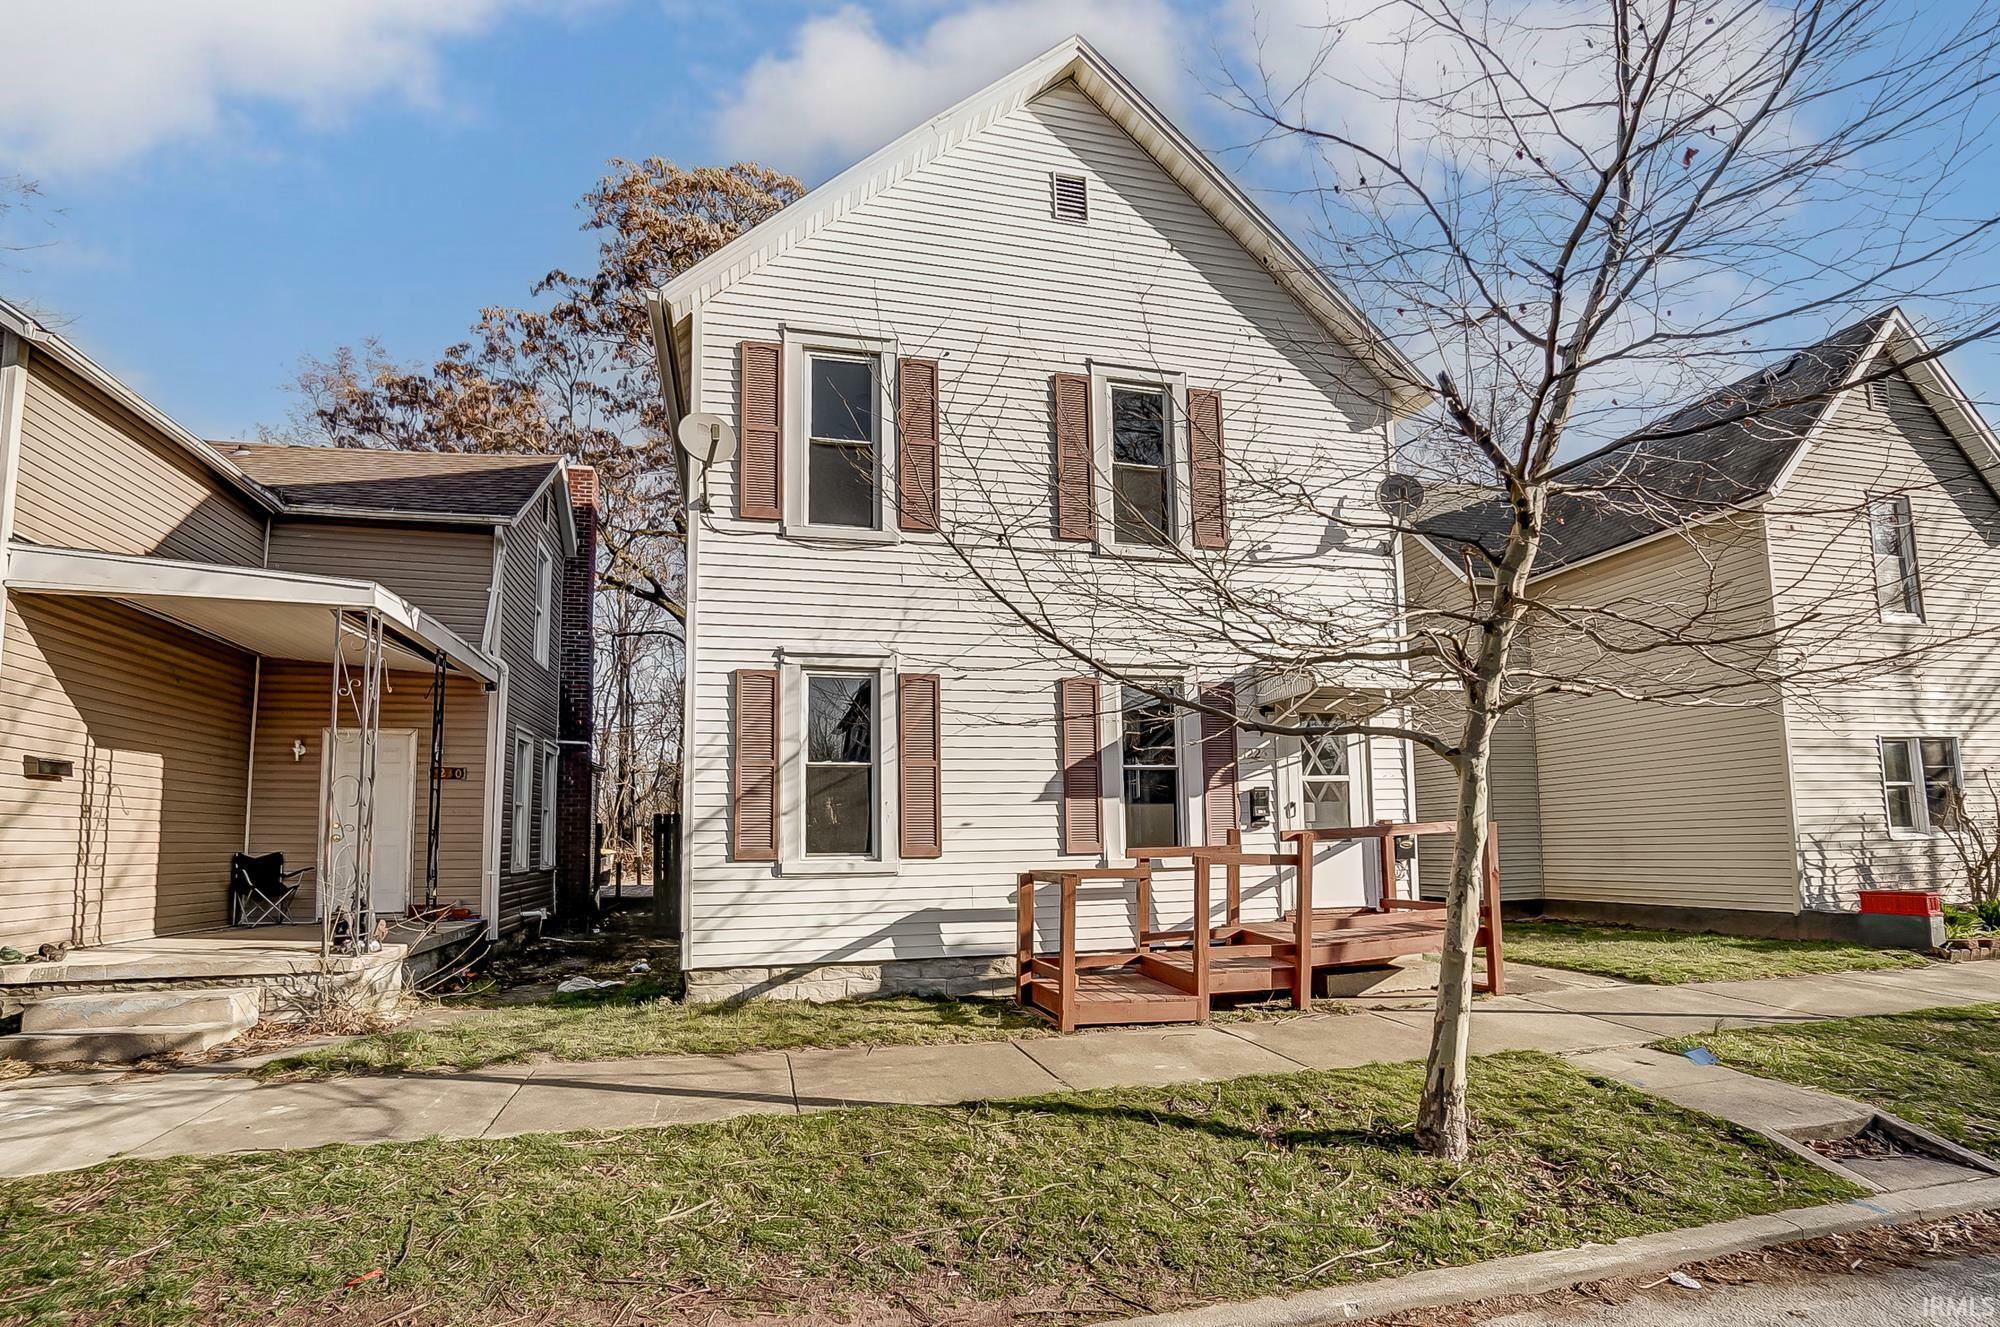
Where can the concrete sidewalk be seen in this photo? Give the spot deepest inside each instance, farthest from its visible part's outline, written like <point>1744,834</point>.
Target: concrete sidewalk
<point>63,1122</point>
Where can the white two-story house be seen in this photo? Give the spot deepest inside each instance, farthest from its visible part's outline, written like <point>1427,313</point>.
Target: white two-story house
<point>1030,346</point>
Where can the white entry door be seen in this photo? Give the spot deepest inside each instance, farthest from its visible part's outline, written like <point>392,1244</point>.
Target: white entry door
<point>395,802</point>
<point>1328,789</point>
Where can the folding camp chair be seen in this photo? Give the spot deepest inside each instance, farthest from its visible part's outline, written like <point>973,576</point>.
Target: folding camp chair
<point>261,889</point>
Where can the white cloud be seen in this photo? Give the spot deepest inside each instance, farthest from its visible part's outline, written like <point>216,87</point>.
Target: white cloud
<point>85,86</point>
<point>843,89</point>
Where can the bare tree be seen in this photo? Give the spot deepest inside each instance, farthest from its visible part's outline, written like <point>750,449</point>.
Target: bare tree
<point>1564,213</point>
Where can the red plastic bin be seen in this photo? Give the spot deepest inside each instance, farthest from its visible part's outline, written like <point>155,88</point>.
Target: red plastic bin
<point>1902,903</point>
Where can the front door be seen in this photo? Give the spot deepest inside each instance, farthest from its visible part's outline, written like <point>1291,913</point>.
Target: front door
<point>395,786</point>
<point>1328,791</point>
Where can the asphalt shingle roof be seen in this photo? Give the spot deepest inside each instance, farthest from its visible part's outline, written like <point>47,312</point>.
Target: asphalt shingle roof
<point>1674,470</point>
<point>393,482</point>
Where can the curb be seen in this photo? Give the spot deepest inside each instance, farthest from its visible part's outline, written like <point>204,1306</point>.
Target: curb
<point>1536,1273</point>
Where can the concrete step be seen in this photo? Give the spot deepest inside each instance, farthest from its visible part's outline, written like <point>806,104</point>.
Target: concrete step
<point>141,1009</point>
<point>117,1045</point>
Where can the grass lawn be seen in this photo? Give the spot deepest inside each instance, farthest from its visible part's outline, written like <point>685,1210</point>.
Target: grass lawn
<point>638,1020</point>
<point>1066,1208</point>
<point>1938,1067</point>
<point>1666,958</point>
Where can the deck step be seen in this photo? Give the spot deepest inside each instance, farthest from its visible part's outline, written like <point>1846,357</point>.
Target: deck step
<point>118,1045</point>
<point>140,1009</point>
<point>121,1026</point>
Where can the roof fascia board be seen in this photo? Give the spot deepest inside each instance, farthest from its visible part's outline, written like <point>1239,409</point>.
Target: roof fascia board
<point>398,516</point>
<point>33,568</point>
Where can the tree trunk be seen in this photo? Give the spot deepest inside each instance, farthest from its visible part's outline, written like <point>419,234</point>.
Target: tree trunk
<point>1443,1121</point>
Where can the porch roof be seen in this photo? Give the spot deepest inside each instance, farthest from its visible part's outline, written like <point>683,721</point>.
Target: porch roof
<point>276,614</point>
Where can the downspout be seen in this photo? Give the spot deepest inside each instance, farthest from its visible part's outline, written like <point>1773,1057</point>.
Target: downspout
<point>13,391</point>
<point>250,761</point>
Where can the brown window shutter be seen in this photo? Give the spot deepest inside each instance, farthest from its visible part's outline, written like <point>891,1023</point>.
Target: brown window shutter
<point>917,443</point>
<point>1209,490</point>
<point>1076,506</point>
<point>1082,787</point>
<point>760,417</point>
<point>919,750</point>
<point>754,803</point>
<point>1218,763</point>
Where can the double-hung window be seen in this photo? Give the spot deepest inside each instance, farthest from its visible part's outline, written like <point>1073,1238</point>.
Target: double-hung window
<point>843,444</point>
<point>545,598</point>
<point>1142,476</point>
<point>840,776</point>
<point>1920,783</point>
<point>547,856</point>
<point>1149,770</point>
<point>1892,536</point>
<point>524,785</point>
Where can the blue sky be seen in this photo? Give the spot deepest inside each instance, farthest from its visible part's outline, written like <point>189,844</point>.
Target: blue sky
<point>229,185</point>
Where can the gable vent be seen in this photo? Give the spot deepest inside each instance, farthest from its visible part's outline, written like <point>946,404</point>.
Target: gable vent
<point>1878,393</point>
<point>1069,200</point>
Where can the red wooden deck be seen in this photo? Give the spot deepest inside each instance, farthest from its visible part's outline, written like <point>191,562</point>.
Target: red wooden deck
<point>1173,976</point>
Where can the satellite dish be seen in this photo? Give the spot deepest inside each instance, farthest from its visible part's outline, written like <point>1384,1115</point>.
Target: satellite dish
<point>707,438</point>
<point>1400,495</point>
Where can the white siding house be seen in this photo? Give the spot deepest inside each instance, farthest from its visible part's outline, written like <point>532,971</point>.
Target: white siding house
<point>874,742</point>
<point>1858,526</point>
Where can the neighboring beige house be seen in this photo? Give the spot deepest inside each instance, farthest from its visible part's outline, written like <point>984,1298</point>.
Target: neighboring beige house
<point>173,609</point>
<point>1871,509</point>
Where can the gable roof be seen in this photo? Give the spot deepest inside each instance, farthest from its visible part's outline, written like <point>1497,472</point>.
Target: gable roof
<point>358,481</point>
<point>1072,59</point>
<point>1680,468</point>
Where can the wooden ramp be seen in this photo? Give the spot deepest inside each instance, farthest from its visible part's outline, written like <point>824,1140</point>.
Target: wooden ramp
<point>1174,976</point>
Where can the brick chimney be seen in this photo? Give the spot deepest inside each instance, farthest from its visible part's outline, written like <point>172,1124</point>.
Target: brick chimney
<point>576,811</point>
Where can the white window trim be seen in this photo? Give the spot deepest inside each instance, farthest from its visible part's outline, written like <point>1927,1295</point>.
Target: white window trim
<point>551,777</point>
<point>1111,763</point>
<point>1909,551</point>
<point>1180,485</point>
<point>886,860</point>
<point>545,600</point>
<point>1924,828</point>
<point>799,345</point>
<point>522,803</point>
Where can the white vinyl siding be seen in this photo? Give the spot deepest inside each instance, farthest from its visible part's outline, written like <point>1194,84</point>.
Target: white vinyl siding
<point>1678,806</point>
<point>1823,563</point>
<point>961,262</point>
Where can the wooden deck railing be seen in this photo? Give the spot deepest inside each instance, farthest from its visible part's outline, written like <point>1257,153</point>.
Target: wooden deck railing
<point>1029,963</point>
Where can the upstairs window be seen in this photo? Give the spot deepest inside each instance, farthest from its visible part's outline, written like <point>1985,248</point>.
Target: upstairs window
<point>1893,539</point>
<point>1920,782</point>
<point>844,442</point>
<point>1141,466</point>
<point>545,598</point>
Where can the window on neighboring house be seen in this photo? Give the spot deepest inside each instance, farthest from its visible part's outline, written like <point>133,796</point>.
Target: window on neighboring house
<point>1920,782</point>
<point>1149,770</point>
<point>1892,534</point>
<point>524,781</point>
<point>1327,775</point>
<point>1141,465</point>
<point>547,855</point>
<point>843,399</point>
<point>545,597</point>
<point>840,764</point>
